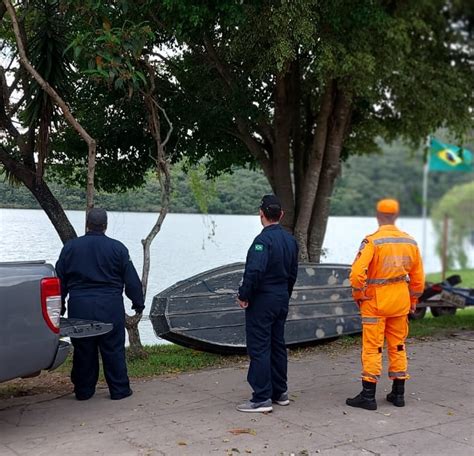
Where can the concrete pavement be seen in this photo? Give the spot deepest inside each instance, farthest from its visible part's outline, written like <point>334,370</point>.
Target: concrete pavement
<point>194,414</point>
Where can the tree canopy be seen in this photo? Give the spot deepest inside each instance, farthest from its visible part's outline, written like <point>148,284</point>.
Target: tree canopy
<point>293,87</point>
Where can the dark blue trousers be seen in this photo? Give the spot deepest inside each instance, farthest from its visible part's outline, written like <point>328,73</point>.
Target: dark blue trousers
<point>265,327</point>
<point>85,365</point>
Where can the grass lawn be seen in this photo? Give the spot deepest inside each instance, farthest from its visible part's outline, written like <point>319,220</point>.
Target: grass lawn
<point>467,276</point>
<point>441,326</point>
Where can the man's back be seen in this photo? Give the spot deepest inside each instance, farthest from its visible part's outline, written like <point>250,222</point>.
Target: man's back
<point>395,253</point>
<point>282,255</point>
<point>93,261</point>
<point>272,263</point>
<point>388,270</point>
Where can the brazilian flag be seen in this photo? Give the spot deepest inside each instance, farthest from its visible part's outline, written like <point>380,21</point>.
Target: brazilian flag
<point>446,157</point>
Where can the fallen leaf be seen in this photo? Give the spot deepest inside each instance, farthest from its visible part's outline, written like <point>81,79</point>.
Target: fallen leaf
<point>387,414</point>
<point>182,443</point>
<point>249,451</point>
<point>243,431</point>
<point>226,440</point>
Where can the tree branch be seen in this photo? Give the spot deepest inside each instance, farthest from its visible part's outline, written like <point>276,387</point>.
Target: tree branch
<point>251,144</point>
<point>58,100</point>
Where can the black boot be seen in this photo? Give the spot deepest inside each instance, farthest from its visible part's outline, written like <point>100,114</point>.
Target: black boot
<point>397,396</point>
<point>366,398</point>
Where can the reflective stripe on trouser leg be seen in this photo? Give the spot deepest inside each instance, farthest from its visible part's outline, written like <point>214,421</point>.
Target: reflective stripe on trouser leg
<point>372,342</point>
<point>396,332</point>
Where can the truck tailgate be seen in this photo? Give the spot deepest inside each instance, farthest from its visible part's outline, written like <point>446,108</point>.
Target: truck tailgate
<point>76,327</point>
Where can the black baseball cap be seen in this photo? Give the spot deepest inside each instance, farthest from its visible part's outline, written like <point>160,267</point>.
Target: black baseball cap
<point>97,216</point>
<point>270,202</point>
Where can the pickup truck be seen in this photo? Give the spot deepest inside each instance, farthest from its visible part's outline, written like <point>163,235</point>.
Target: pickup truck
<point>31,326</point>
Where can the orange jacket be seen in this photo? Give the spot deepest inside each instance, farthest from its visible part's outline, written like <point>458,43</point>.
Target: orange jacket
<point>387,274</point>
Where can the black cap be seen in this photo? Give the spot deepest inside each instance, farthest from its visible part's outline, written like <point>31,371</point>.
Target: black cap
<point>97,217</point>
<point>270,202</point>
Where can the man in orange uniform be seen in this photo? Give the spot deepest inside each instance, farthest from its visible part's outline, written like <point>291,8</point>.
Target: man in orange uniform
<point>387,278</point>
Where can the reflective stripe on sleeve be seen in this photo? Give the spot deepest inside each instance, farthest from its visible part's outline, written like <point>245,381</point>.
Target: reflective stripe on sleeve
<point>415,294</point>
<point>358,289</point>
<point>370,320</point>
<point>394,241</point>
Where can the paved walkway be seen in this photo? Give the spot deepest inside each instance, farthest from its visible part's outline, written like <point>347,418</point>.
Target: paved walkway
<point>193,414</point>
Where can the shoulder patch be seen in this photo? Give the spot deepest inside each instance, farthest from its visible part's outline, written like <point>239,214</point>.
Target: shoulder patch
<point>363,244</point>
<point>259,247</point>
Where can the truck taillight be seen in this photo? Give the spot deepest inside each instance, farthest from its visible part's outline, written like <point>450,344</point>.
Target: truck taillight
<point>51,302</point>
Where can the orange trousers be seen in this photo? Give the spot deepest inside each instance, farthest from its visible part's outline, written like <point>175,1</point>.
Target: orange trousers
<point>374,331</point>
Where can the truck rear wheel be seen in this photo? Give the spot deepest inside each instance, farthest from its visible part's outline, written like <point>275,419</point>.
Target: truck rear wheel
<point>418,314</point>
<point>443,311</point>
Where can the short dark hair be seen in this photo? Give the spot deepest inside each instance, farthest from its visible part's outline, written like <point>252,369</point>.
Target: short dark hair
<point>97,219</point>
<point>271,207</point>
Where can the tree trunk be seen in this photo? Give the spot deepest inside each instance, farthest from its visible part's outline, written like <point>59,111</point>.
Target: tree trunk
<point>43,195</point>
<point>313,172</point>
<point>164,177</point>
<point>281,148</point>
<point>135,350</point>
<point>338,128</point>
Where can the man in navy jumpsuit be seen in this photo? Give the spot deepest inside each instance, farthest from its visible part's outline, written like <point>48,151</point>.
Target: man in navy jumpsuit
<point>270,274</point>
<point>94,270</point>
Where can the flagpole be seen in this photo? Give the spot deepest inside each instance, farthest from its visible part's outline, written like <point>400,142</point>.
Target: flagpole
<point>424,212</point>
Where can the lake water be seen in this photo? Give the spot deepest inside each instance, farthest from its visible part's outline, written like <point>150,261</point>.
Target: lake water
<point>187,244</point>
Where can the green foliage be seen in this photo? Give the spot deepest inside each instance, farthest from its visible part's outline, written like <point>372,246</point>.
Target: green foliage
<point>442,326</point>
<point>112,54</point>
<point>396,172</point>
<point>47,53</point>
<point>402,63</point>
<point>467,277</point>
<point>203,189</point>
<point>458,206</point>
<point>238,193</point>
<point>124,145</point>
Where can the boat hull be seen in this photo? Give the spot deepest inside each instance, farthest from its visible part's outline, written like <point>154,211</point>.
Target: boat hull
<point>201,312</point>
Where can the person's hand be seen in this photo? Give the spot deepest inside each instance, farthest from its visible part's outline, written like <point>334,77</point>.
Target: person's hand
<point>242,304</point>
<point>412,307</point>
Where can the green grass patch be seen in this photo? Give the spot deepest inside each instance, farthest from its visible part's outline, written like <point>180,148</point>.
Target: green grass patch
<point>431,326</point>
<point>173,359</point>
<point>168,359</point>
<point>467,276</point>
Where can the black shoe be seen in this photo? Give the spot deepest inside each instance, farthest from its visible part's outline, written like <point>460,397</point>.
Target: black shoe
<point>366,398</point>
<point>397,395</point>
<point>121,396</point>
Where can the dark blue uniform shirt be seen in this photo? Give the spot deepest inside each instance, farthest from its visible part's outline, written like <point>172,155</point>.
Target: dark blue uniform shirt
<point>96,264</point>
<point>272,264</point>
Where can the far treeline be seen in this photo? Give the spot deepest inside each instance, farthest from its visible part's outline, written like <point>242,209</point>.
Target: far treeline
<point>397,172</point>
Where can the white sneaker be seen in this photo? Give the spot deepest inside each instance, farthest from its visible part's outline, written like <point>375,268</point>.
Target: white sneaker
<point>283,399</point>
<point>256,407</point>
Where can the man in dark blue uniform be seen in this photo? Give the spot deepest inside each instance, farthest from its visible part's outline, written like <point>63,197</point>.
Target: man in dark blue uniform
<point>94,270</point>
<point>269,277</point>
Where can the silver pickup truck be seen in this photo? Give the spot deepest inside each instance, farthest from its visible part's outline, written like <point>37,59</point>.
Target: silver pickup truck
<point>31,326</point>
